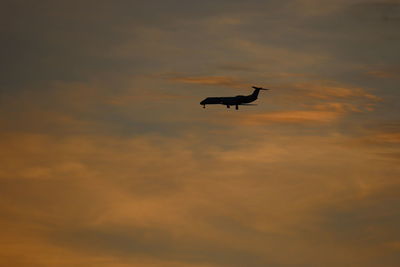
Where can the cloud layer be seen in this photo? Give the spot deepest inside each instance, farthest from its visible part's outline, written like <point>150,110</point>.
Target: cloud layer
<point>109,160</point>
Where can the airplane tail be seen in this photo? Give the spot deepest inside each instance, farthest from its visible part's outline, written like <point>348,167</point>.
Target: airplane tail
<point>257,90</point>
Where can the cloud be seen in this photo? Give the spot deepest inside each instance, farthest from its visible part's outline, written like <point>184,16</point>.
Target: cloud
<point>282,57</point>
<point>361,220</point>
<point>381,138</point>
<point>387,73</point>
<point>336,106</point>
<point>288,75</point>
<point>160,200</point>
<point>211,81</point>
<point>387,11</point>
<point>298,116</point>
<point>388,137</point>
<point>330,96</point>
<point>126,100</point>
<point>382,134</point>
<point>331,90</point>
<point>237,66</point>
<point>92,176</point>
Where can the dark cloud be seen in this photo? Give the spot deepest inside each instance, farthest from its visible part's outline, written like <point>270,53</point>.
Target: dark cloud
<point>370,222</point>
<point>211,81</point>
<point>386,11</point>
<point>142,242</point>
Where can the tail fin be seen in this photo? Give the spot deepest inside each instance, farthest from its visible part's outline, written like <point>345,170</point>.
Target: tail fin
<point>257,90</point>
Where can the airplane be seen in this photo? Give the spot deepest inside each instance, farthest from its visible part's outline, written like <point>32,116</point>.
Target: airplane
<point>234,100</point>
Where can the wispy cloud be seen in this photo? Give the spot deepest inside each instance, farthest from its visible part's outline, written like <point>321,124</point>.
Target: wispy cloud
<point>107,159</point>
<point>153,192</point>
<point>389,138</point>
<point>298,116</point>
<point>225,81</point>
<point>332,90</point>
<point>386,73</point>
<point>336,106</point>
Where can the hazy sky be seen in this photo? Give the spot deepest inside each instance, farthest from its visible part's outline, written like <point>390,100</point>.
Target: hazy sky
<point>107,158</point>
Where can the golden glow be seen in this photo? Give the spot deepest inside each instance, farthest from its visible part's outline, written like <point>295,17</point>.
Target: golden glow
<point>107,158</point>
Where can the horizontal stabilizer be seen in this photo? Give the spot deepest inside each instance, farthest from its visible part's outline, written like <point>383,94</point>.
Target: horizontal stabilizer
<point>259,88</point>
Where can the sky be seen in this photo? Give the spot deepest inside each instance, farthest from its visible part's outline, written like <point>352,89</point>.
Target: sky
<point>108,159</point>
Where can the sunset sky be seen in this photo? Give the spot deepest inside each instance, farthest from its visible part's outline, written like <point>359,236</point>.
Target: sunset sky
<point>108,159</point>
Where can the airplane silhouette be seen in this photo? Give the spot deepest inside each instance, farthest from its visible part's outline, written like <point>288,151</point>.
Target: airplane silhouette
<point>234,100</point>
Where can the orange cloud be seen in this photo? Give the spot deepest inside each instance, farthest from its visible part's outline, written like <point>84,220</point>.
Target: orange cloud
<point>336,106</point>
<point>89,198</point>
<point>388,73</point>
<point>328,90</point>
<point>382,138</point>
<point>125,99</point>
<point>325,95</point>
<point>298,116</point>
<point>288,75</point>
<point>211,80</point>
<point>389,137</point>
